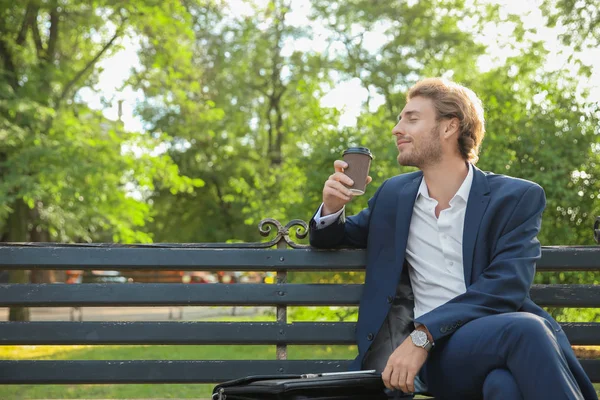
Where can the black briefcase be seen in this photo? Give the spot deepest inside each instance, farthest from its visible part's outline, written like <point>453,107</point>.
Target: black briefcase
<point>360,385</point>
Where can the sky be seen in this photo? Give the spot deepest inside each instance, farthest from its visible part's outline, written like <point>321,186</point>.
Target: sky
<point>348,96</point>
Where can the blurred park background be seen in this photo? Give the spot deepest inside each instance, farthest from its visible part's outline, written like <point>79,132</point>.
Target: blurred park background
<point>190,121</point>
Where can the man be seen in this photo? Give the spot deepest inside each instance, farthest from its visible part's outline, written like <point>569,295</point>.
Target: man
<point>451,255</point>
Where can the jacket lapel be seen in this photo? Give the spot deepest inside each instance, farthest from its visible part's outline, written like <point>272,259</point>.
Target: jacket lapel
<point>476,206</point>
<point>404,210</point>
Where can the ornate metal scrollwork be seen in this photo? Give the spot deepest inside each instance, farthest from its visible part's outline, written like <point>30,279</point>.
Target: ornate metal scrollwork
<point>283,232</point>
<point>264,227</point>
<point>597,230</point>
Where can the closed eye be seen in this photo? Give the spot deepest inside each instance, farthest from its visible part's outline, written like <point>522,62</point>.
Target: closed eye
<point>410,120</point>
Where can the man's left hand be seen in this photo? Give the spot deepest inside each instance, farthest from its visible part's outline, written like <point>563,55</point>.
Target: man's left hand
<point>403,365</point>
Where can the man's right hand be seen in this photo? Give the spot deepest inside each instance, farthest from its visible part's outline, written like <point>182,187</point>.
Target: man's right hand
<point>335,194</point>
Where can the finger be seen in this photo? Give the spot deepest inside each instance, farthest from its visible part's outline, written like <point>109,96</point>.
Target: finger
<point>340,165</point>
<point>410,383</point>
<point>385,376</point>
<point>329,191</point>
<point>369,179</point>
<point>397,378</point>
<point>402,381</point>
<point>341,177</point>
<point>340,187</point>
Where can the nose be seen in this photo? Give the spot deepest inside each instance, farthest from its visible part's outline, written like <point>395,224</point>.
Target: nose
<point>397,130</point>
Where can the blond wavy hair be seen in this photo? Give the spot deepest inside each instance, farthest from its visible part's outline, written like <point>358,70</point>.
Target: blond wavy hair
<point>452,100</point>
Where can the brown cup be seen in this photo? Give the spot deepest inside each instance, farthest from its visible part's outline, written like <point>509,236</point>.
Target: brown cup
<point>359,162</point>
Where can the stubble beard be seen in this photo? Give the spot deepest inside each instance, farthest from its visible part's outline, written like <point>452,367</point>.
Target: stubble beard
<point>430,152</point>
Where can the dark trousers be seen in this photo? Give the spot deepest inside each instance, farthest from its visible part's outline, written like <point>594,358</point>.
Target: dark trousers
<point>506,356</point>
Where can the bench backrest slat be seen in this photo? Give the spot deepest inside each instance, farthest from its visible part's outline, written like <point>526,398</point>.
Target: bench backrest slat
<point>167,294</point>
<point>126,258</point>
<point>182,333</point>
<point>151,371</point>
<point>173,371</point>
<point>155,371</point>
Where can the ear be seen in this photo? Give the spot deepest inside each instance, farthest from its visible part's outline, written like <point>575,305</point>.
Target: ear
<point>451,128</point>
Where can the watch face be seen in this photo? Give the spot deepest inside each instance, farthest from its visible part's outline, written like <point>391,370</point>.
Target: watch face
<point>419,338</point>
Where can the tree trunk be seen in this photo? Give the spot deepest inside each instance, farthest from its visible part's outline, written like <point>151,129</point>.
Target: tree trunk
<point>38,233</point>
<point>278,88</point>
<point>17,232</point>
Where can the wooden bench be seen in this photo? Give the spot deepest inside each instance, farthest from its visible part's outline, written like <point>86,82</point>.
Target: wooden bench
<point>236,257</point>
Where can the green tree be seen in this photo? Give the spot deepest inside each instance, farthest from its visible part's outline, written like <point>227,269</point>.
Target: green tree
<point>67,173</point>
<point>580,19</point>
<point>236,124</point>
<point>251,122</point>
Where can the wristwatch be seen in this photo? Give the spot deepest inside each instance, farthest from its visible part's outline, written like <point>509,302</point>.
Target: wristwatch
<point>419,339</point>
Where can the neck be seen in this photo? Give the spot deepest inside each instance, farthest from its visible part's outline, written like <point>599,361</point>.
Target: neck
<point>444,178</point>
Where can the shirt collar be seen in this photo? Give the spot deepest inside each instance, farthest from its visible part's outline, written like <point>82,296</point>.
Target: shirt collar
<point>463,191</point>
<point>465,188</point>
<point>423,191</point>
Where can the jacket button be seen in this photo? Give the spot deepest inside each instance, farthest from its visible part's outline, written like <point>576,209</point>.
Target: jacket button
<point>390,299</point>
<point>370,336</point>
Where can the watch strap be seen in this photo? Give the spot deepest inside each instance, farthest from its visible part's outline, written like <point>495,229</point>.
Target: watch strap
<point>428,346</point>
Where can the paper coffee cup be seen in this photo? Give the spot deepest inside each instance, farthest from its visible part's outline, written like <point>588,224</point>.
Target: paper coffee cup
<point>359,161</point>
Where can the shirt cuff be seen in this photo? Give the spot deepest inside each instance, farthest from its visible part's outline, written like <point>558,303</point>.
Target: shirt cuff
<point>324,222</point>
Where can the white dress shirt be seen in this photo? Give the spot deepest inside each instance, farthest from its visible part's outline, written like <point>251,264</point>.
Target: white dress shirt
<point>434,247</point>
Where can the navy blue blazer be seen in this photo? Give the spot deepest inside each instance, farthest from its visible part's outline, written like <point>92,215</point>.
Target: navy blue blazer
<point>500,249</point>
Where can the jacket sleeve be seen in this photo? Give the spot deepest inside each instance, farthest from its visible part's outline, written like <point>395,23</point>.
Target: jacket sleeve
<point>505,283</point>
<point>347,232</point>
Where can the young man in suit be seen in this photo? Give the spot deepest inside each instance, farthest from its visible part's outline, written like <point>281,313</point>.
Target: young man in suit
<point>451,255</point>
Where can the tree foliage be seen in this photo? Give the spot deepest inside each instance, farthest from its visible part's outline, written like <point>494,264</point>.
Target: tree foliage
<point>235,127</point>
<point>580,19</point>
<point>66,172</point>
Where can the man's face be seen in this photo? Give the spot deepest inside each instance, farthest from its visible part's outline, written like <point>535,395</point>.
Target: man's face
<point>417,134</point>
